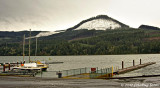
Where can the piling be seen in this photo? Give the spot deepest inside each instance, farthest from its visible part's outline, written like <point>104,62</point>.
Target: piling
<point>134,67</point>
<point>122,65</point>
<point>9,66</point>
<point>59,74</point>
<point>17,63</point>
<point>4,67</point>
<point>133,63</point>
<point>112,71</point>
<point>140,61</point>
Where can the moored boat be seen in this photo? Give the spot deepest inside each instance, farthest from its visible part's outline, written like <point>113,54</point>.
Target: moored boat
<point>29,67</point>
<point>41,64</point>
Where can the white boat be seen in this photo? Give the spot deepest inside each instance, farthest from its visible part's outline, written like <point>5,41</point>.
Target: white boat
<point>41,64</point>
<point>27,67</point>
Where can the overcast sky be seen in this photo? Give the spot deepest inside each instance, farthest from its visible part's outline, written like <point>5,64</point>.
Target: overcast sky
<point>51,15</point>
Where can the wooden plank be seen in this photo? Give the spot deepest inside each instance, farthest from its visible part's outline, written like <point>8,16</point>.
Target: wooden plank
<point>121,71</point>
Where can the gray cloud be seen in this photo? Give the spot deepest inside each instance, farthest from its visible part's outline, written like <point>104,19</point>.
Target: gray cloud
<point>61,14</point>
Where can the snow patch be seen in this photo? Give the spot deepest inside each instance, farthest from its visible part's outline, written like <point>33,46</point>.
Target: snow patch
<point>41,34</point>
<point>99,24</point>
<point>45,34</point>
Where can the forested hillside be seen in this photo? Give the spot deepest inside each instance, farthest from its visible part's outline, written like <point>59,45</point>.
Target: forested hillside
<point>12,37</point>
<point>91,42</point>
<point>99,35</point>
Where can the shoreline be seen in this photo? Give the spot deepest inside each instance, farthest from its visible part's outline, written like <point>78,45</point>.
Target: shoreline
<point>96,55</point>
<point>37,82</point>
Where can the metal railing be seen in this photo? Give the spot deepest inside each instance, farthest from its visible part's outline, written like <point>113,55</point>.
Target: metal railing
<point>103,72</point>
<point>78,71</point>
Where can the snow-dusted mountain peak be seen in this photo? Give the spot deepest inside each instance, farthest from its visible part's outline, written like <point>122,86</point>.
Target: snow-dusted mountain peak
<point>99,24</point>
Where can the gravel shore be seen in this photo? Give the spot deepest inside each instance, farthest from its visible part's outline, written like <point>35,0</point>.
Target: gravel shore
<point>36,82</point>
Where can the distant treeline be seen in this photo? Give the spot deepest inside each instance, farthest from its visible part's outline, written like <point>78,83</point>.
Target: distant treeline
<point>122,41</point>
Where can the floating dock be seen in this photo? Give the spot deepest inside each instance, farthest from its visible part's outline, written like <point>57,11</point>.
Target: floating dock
<point>107,73</point>
<point>18,74</point>
<point>124,70</point>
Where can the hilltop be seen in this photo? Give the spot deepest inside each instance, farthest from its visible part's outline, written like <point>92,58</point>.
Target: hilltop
<point>100,22</point>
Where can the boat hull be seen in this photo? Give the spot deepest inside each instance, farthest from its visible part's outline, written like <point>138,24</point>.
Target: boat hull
<point>44,69</point>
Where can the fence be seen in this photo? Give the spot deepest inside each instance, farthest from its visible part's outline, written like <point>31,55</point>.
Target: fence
<point>92,73</point>
<point>78,71</point>
<point>65,73</point>
<point>107,72</point>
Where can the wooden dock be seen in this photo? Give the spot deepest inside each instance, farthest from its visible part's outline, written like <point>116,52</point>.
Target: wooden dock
<point>109,72</point>
<point>18,74</point>
<point>124,70</point>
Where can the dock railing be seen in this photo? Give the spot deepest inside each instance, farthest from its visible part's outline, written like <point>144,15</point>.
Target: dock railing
<point>77,71</point>
<point>105,72</point>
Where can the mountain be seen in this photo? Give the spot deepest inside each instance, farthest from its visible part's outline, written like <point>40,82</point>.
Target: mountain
<point>100,22</point>
<point>92,40</point>
<point>149,27</point>
<point>11,36</point>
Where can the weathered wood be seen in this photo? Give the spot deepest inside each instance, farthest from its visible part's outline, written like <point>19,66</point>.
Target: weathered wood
<point>124,70</point>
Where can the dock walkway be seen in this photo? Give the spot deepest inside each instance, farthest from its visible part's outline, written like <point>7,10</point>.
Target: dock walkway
<point>106,73</point>
<point>124,70</point>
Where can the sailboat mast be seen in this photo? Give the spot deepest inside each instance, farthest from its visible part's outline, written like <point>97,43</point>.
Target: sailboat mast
<point>29,45</point>
<point>23,46</point>
<point>36,47</point>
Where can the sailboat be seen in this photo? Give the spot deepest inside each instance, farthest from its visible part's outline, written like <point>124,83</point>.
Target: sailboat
<point>32,65</point>
<point>40,64</point>
<point>29,67</point>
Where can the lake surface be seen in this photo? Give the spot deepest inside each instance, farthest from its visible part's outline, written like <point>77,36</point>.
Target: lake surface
<point>100,61</point>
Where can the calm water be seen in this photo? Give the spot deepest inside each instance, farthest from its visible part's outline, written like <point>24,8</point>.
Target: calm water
<point>100,61</point>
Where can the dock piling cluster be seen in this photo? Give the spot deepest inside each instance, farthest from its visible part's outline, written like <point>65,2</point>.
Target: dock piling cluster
<point>9,65</point>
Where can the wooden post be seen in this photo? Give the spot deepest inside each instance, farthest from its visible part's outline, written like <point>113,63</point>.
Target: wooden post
<point>17,63</point>
<point>9,66</point>
<point>3,67</point>
<point>133,63</point>
<point>122,65</point>
<point>112,71</point>
<point>140,61</point>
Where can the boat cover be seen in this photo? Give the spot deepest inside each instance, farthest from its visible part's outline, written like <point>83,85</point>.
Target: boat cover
<point>30,65</point>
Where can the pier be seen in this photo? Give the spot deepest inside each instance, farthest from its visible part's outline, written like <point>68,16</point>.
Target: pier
<point>131,68</point>
<point>105,73</point>
<point>81,73</point>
